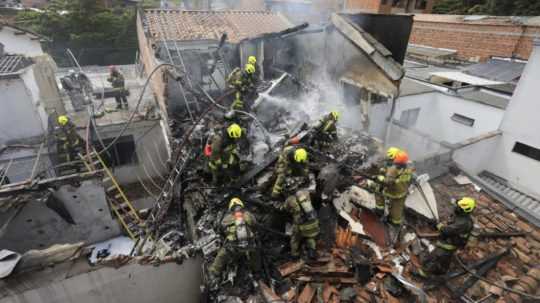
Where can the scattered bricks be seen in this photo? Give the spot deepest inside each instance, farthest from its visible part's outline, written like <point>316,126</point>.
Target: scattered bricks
<point>522,245</point>
<point>522,256</point>
<point>290,267</point>
<point>307,294</point>
<point>534,273</point>
<point>495,290</point>
<point>506,269</point>
<point>524,226</point>
<point>510,216</point>
<point>509,279</point>
<point>328,291</point>
<point>536,235</point>
<point>492,226</point>
<point>484,221</point>
<point>528,283</point>
<point>513,298</point>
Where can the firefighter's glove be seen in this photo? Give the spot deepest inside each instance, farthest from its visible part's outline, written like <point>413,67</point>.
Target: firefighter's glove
<point>440,226</point>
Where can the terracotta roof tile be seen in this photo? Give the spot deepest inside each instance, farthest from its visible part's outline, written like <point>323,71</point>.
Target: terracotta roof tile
<point>210,25</point>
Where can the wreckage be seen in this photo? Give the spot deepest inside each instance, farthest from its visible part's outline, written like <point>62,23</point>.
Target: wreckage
<point>359,258</point>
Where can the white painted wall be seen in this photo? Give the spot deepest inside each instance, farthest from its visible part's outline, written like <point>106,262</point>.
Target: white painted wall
<point>520,124</point>
<point>151,149</point>
<point>19,116</point>
<point>475,157</point>
<point>437,108</point>
<point>19,44</point>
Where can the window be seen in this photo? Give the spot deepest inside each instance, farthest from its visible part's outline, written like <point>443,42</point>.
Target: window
<point>463,119</point>
<point>408,118</point>
<point>121,153</point>
<point>527,151</point>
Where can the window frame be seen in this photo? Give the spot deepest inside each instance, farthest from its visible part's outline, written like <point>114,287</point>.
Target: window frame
<point>462,119</point>
<point>526,150</point>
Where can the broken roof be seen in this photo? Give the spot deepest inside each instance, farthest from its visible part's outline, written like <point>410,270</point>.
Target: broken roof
<point>183,25</point>
<point>377,52</point>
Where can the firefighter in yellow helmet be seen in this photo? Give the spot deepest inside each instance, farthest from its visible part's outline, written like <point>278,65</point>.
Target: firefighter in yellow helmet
<point>378,172</point>
<point>396,183</point>
<point>325,131</point>
<point>238,228</point>
<point>223,153</point>
<point>292,171</point>
<point>244,83</point>
<point>70,144</point>
<point>454,235</point>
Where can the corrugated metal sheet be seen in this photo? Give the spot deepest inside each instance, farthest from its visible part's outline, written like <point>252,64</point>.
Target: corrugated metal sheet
<point>497,70</point>
<point>525,205</point>
<point>10,64</point>
<point>462,77</point>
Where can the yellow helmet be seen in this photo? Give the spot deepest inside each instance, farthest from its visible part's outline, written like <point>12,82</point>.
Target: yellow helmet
<point>300,155</point>
<point>335,115</point>
<point>250,68</point>
<point>392,152</point>
<point>252,60</point>
<point>235,202</point>
<point>467,204</point>
<point>234,131</point>
<point>63,120</point>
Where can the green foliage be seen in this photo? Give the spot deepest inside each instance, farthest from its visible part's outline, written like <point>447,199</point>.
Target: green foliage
<point>488,7</point>
<point>83,23</point>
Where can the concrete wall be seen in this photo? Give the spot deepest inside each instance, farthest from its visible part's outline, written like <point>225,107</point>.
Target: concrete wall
<point>520,124</point>
<point>474,40</point>
<point>475,158</point>
<point>37,226</point>
<point>65,283</point>
<point>436,110</point>
<point>151,151</point>
<point>418,144</point>
<point>20,44</point>
<point>20,117</point>
<point>150,62</point>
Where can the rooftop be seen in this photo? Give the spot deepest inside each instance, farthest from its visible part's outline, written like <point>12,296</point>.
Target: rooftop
<point>497,69</point>
<point>183,25</point>
<point>98,77</point>
<point>482,20</point>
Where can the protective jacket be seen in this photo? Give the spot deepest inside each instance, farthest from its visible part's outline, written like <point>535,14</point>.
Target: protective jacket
<point>68,136</point>
<point>117,80</point>
<point>239,229</point>
<point>326,129</point>
<point>396,182</point>
<point>303,214</point>
<point>456,233</point>
<point>288,168</point>
<point>224,151</point>
<point>240,80</point>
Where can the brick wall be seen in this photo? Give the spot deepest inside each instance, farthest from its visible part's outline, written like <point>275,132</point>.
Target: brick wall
<point>363,4</point>
<point>476,41</point>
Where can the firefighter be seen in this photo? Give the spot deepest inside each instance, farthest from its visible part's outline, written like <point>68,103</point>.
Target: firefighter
<point>325,131</point>
<point>376,185</point>
<point>395,184</point>
<point>454,236</point>
<point>223,152</point>
<point>238,227</point>
<point>243,82</point>
<point>291,172</point>
<point>70,143</point>
<point>305,224</point>
<point>257,74</point>
<point>118,83</point>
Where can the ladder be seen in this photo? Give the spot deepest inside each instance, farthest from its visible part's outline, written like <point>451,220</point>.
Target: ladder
<point>163,202</point>
<point>118,202</point>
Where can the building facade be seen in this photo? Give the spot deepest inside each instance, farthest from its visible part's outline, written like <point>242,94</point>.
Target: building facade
<point>390,6</point>
<point>477,38</point>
